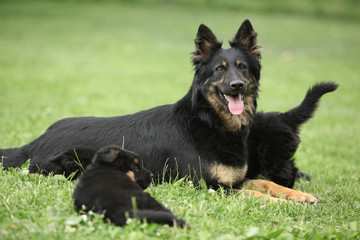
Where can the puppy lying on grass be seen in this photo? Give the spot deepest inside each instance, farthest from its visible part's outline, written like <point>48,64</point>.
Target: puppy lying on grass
<point>113,185</point>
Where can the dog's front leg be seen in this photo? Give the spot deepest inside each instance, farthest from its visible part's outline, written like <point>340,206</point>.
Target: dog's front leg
<point>279,191</point>
<point>257,194</point>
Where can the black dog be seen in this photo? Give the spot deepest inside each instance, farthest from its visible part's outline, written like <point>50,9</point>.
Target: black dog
<point>111,181</point>
<point>203,135</point>
<point>274,139</point>
<point>208,126</point>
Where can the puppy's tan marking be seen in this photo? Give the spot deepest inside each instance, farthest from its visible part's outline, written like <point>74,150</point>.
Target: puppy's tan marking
<point>278,191</point>
<point>228,175</point>
<point>113,153</point>
<point>131,175</point>
<point>136,161</point>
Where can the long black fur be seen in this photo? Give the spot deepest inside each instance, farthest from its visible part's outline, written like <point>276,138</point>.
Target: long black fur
<point>274,139</point>
<point>196,136</point>
<point>109,184</point>
<point>187,137</point>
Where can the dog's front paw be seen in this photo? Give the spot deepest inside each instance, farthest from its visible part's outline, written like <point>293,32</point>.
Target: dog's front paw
<point>301,197</point>
<point>279,191</point>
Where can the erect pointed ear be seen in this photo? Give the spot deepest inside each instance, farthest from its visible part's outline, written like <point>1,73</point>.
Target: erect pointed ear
<point>246,37</point>
<point>107,155</point>
<point>206,44</point>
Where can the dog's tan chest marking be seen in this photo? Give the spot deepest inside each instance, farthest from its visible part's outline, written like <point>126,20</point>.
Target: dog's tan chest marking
<point>228,175</point>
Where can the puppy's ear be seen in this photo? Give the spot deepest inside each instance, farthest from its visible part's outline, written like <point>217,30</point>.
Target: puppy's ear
<point>108,155</point>
<point>246,37</point>
<point>206,44</point>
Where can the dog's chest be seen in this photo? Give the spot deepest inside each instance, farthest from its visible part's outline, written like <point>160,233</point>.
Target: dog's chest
<point>227,175</point>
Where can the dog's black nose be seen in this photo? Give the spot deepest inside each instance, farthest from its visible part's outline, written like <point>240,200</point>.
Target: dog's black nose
<point>237,84</point>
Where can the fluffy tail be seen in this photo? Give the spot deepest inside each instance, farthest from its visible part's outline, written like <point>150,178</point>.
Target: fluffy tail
<point>300,114</point>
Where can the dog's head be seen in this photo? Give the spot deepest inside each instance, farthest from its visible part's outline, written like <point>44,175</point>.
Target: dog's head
<point>124,161</point>
<point>228,78</point>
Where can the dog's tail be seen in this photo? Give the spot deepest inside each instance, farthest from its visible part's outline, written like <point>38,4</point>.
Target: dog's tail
<point>13,157</point>
<point>300,114</point>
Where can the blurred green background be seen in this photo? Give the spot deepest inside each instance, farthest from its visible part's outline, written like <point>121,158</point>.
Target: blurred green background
<point>345,9</point>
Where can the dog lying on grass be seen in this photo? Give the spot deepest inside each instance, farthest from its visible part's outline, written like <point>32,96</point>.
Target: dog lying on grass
<point>113,185</point>
<point>204,135</point>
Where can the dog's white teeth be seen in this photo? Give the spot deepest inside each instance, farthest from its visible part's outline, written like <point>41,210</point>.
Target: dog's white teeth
<point>226,97</point>
<point>241,97</point>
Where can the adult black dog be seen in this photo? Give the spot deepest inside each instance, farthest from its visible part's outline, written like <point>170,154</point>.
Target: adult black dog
<point>274,139</point>
<point>109,184</point>
<point>203,135</point>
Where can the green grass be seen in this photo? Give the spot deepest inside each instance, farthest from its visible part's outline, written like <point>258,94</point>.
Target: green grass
<point>61,59</point>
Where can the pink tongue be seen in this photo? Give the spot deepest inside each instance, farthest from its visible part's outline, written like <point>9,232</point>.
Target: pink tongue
<point>236,105</point>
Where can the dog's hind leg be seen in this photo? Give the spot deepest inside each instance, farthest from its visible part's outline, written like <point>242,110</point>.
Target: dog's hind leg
<point>279,191</point>
<point>73,161</point>
<point>283,173</point>
<point>151,216</point>
<point>257,194</point>
<point>161,217</point>
<point>13,157</point>
<point>303,175</point>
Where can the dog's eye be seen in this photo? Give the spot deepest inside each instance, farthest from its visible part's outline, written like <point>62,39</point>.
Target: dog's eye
<point>220,69</point>
<point>242,67</point>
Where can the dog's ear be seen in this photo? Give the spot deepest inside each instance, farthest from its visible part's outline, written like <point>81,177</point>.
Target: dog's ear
<point>206,44</point>
<point>246,37</point>
<point>108,155</point>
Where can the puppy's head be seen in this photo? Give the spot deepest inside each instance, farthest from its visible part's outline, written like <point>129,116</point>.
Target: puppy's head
<point>124,161</point>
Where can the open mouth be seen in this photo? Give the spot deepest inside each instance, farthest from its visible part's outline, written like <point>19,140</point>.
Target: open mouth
<point>234,103</point>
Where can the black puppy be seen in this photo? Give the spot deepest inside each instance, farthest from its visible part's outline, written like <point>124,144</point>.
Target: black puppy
<point>274,139</point>
<point>111,181</point>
